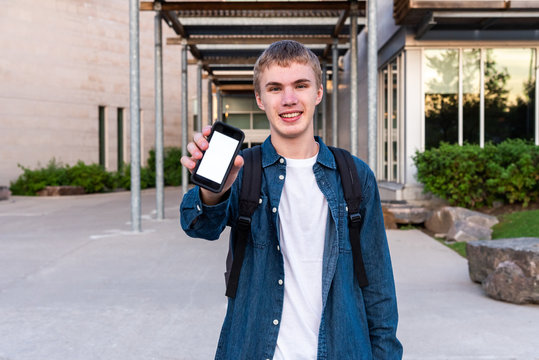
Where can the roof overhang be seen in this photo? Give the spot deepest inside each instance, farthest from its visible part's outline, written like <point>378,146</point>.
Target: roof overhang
<point>234,33</point>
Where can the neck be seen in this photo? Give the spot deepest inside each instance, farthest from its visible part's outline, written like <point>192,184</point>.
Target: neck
<point>296,148</point>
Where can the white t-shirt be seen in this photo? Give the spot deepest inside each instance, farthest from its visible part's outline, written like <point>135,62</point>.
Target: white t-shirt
<point>303,212</point>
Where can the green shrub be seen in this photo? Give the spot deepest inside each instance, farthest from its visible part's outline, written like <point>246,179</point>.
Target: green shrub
<point>171,166</point>
<point>471,176</point>
<point>31,181</point>
<point>94,178</point>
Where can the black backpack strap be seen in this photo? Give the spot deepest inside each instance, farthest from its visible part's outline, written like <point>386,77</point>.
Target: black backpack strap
<point>352,194</point>
<point>248,202</point>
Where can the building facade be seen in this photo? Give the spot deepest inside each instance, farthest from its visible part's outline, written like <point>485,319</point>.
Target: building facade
<point>454,71</point>
<point>64,84</point>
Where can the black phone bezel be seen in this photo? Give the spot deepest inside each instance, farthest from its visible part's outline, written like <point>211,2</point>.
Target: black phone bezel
<point>229,131</point>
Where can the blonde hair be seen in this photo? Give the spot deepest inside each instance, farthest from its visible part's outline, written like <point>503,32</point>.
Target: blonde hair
<point>283,53</point>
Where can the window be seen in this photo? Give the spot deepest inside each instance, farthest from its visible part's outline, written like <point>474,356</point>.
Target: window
<point>240,110</point>
<point>441,96</point>
<point>479,95</point>
<point>509,94</point>
<point>389,121</point>
<point>102,136</point>
<point>120,134</point>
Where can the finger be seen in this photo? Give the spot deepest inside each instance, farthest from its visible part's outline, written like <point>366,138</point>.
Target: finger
<point>238,161</point>
<point>201,141</point>
<point>188,163</point>
<point>206,131</point>
<point>195,152</point>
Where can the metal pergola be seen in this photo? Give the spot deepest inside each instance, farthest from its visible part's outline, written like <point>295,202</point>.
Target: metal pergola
<point>225,38</point>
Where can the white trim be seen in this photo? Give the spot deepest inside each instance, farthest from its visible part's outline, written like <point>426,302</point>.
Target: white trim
<point>537,96</point>
<point>422,103</point>
<point>402,137</point>
<point>485,14</point>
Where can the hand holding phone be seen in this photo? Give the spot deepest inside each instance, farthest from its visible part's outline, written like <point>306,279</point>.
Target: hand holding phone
<point>212,171</point>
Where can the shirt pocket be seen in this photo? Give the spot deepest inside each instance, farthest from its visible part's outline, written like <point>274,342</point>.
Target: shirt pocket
<point>261,227</point>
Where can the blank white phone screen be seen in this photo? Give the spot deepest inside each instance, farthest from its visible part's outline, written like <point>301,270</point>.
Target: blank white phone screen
<point>216,159</point>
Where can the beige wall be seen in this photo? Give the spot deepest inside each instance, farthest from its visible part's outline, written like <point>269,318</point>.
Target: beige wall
<point>59,61</point>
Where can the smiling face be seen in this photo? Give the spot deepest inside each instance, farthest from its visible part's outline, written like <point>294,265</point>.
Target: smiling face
<point>289,96</point>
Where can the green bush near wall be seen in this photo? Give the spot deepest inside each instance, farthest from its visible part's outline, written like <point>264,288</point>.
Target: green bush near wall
<point>94,178</point>
<point>473,177</point>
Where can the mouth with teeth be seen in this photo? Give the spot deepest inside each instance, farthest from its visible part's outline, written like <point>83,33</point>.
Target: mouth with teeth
<point>291,116</point>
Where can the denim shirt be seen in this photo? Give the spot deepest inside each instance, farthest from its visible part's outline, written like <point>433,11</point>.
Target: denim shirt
<point>357,323</point>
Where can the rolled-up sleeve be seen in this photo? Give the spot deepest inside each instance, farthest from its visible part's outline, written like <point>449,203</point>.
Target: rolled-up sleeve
<point>202,221</point>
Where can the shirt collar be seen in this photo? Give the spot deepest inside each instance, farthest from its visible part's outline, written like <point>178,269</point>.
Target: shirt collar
<point>270,155</point>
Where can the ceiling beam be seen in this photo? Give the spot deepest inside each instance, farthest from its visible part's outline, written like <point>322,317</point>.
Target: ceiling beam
<point>336,32</point>
<point>236,87</point>
<point>172,20</point>
<point>254,40</point>
<point>245,5</point>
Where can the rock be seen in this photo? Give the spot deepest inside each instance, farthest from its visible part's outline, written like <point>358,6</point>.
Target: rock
<point>441,220</point>
<point>4,193</point>
<point>508,283</point>
<point>409,214</point>
<point>508,268</point>
<point>461,224</point>
<point>389,219</point>
<point>466,231</point>
<point>61,190</point>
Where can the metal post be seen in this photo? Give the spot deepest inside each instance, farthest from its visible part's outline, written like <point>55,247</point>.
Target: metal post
<point>482,99</point>
<point>134,112</point>
<point>324,99</point>
<point>219,105</point>
<point>159,173</point>
<point>372,69</point>
<point>199,97</point>
<point>354,108</point>
<point>184,111</point>
<point>210,100</point>
<point>335,91</point>
<point>460,100</point>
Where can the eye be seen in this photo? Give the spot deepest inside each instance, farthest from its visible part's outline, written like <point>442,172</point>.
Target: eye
<point>273,89</point>
<point>302,86</point>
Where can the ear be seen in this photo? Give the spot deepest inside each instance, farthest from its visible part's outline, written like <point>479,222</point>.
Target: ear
<point>259,101</point>
<point>319,94</point>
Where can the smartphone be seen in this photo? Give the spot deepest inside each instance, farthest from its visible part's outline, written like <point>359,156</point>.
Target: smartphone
<point>212,170</point>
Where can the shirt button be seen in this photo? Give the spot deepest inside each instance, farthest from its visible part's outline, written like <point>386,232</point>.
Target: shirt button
<point>198,207</point>
<point>280,282</point>
<point>260,201</point>
<point>275,322</point>
<point>278,248</point>
<point>281,177</point>
<point>274,209</point>
<point>281,160</point>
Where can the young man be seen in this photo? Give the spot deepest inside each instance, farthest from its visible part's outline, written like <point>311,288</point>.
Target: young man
<point>298,297</point>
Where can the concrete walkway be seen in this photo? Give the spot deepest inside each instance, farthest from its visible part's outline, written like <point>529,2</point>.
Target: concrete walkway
<point>75,283</point>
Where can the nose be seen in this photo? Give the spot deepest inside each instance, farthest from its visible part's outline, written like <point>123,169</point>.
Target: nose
<point>289,97</point>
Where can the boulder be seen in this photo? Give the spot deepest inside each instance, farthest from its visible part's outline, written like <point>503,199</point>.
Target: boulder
<point>509,283</point>
<point>409,214</point>
<point>460,224</point>
<point>4,193</point>
<point>389,219</point>
<point>466,231</point>
<point>507,269</point>
<point>61,190</point>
